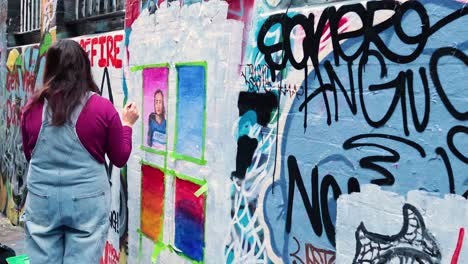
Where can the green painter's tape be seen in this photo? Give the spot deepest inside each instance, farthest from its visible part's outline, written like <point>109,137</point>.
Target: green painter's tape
<point>142,67</point>
<point>188,158</point>
<point>181,254</point>
<point>203,189</point>
<point>152,165</point>
<point>151,150</point>
<point>140,245</point>
<point>158,247</point>
<point>186,177</point>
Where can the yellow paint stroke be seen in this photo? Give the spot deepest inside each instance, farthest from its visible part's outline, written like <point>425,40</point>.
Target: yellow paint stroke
<point>11,61</point>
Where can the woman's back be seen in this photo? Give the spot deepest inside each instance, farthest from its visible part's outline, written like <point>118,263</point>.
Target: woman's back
<point>99,129</point>
<point>67,129</point>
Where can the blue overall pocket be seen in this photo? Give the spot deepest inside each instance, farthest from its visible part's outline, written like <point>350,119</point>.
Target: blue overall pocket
<point>37,208</point>
<point>91,209</point>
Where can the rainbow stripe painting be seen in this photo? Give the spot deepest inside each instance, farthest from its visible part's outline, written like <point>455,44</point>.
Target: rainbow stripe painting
<point>152,202</point>
<point>189,220</point>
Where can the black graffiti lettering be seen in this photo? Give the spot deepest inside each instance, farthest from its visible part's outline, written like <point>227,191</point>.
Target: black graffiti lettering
<point>302,21</point>
<point>400,10</point>
<point>105,77</point>
<point>419,125</point>
<point>336,37</point>
<point>441,152</point>
<point>330,15</point>
<point>257,78</point>
<point>392,84</point>
<point>353,185</point>
<point>451,134</point>
<point>407,91</point>
<point>401,85</point>
<point>438,54</point>
<point>369,33</point>
<point>114,220</point>
<point>327,183</point>
<point>270,50</point>
<point>306,93</point>
<point>449,19</point>
<point>316,206</point>
<point>370,162</point>
<point>312,209</point>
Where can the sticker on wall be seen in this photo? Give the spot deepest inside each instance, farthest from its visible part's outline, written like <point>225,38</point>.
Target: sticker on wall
<point>189,219</point>
<point>152,202</point>
<point>189,143</point>
<point>155,83</point>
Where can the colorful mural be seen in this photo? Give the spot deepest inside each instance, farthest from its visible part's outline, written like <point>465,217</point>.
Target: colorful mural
<point>24,68</point>
<point>359,95</point>
<point>183,81</point>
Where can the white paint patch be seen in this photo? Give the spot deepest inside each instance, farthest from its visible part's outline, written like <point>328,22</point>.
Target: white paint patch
<point>199,32</point>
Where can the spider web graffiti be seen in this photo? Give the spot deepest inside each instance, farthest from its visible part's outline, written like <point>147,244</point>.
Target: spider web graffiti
<point>245,242</point>
<point>413,244</point>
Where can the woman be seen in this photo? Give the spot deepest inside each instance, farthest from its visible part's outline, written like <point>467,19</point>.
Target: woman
<point>67,130</point>
<point>157,122</point>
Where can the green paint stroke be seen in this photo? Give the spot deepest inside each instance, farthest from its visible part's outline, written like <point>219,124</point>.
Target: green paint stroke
<point>19,60</point>
<point>203,189</point>
<point>186,177</point>
<point>140,244</point>
<point>152,150</point>
<point>142,67</point>
<point>152,165</point>
<point>158,248</point>
<point>46,43</point>
<point>176,174</point>
<point>188,158</point>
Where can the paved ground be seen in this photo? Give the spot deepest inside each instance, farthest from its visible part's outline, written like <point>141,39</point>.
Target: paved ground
<point>11,235</point>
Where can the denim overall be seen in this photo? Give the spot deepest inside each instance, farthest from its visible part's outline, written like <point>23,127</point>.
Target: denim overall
<point>68,201</point>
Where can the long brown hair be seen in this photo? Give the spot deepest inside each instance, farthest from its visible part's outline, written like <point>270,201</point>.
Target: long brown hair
<point>67,78</point>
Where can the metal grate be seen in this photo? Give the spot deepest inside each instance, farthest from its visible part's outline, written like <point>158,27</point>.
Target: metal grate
<point>90,8</point>
<point>30,15</point>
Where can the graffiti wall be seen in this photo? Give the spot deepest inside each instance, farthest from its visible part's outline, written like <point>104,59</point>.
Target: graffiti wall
<point>49,17</point>
<point>3,43</point>
<point>330,96</point>
<point>21,74</point>
<point>24,68</point>
<point>183,65</point>
<point>353,93</point>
